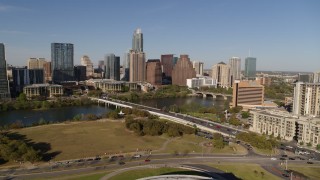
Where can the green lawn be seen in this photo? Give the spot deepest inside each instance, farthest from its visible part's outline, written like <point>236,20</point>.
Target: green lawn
<point>135,174</point>
<point>84,139</point>
<point>88,177</point>
<point>208,116</point>
<point>309,171</point>
<point>245,171</point>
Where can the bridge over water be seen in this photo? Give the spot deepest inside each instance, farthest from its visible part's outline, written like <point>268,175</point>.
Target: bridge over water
<point>202,124</point>
<point>211,94</point>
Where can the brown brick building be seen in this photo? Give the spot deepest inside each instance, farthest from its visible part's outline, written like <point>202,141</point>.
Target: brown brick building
<point>247,93</point>
<point>167,64</point>
<point>182,71</point>
<point>154,72</point>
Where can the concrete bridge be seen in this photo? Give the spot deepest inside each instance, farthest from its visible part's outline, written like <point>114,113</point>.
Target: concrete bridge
<point>211,94</point>
<point>169,116</point>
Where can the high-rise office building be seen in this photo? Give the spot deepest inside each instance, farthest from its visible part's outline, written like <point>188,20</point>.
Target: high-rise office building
<point>36,63</point>
<point>235,69</point>
<point>250,68</point>
<point>112,67</point>
<point>167,62</point>
<point>306,78</point>
<point>137,66</point>
<point>247,93</point>
<point>85,61</point>
<point>182,71</point>
<point>126,67</point>
<point>221,73</point>
<point>101,64</point>
<point>4,83</point>
<point>316,77</point>
<point>62,62</point>
<point>137,40</point>
<point>198,66</point>
<point>80,73</point>
<point>306,100</point>
<point>154,72</point>
<point>47,72</point>
<point>23,76</point>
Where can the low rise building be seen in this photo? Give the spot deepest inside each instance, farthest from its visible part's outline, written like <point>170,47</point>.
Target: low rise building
<point>43,90</point>
<point>308,130</point>
<point>200,82</point>
<point>109,85</point>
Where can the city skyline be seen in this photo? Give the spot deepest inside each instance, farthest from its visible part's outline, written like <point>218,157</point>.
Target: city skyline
<point>285,33</point>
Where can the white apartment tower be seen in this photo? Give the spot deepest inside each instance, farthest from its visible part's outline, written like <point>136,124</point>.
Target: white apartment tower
<point>198,66</point>
<point>85,61</point>
<point>221,74</point>
<point>306,99</point>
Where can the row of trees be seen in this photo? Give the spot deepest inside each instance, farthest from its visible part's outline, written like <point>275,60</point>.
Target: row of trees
<point>278,90</point>
<point>154,127</point>
<point>17,150</point>
<point>22,103</point>
<point>258,141</point>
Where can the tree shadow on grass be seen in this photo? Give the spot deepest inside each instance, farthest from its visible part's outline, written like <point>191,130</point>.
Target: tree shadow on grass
<point>43,147</point>
<point>228,176</point>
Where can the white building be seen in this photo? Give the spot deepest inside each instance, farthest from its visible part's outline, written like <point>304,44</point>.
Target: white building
<point>221,74</point>
<point>200,82</point>
<point>36,63</point>
<point>306,99</point>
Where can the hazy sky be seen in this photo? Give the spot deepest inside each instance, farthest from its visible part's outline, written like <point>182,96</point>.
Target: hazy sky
<point>281,34</point>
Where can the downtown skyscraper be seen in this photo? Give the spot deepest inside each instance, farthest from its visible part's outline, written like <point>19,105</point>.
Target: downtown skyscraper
<point>137,58</point>
<point>250,68</point>
<point>112,67</point>
<point>4,83</point>
<point>235,69</point>
<point>62,62</point>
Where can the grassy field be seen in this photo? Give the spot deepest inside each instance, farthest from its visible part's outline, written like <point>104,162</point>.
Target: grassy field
<point>135,174</point>
<point>245,171</point>
<point>85,139</point>
<point>310,171</point>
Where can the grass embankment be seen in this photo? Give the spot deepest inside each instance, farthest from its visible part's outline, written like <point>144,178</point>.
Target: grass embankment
<point>310,171</point>
<point>245,171</point>
<point>135,174</point>
<point>87,139</point>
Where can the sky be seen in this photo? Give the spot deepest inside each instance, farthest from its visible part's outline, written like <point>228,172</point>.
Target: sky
<point>284,35</point>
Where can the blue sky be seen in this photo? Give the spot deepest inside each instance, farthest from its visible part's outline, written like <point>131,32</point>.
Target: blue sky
<point>282,34</point>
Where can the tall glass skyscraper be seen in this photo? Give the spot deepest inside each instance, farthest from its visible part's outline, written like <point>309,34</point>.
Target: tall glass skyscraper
<point>250,67</point>
<point>137,40</point>
<point>112,67</point>
<point>62,62</point>
<point>4,83</point>
<point>235,69</point>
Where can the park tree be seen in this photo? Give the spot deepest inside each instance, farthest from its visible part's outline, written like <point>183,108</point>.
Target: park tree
<point>218,141</point>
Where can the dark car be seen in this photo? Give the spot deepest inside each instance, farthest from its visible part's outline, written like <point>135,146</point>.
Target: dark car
<point>291,158</point>
<point>147,160</point>
<point>285,175</point>
<point>309,162</point>
<point>282,158</point>
<point>284,155</point>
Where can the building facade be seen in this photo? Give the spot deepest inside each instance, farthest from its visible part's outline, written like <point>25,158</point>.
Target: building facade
<point>62,62</point>
<point>112,67</point>
<point>85,61</point>
<point>201,82</point>
<point>235,69</point>
<point>137,41</point>
<point>280,123</point>
<point>80,73</point>
<point>43,90</point>
<point>154,72</point>
<point>306,100</point>
<point>23,76</point>
<point>47,72</point>
<point>316,77</point>
<point>167,62</point>
<point>137,66</point>
<point>247,93</point>
<point>250,68</point>
<point>182,71</point>
<point>36,63</point>
<point>109,85</point>
<point>221,74</point>
<point>198,66</point>
<point>4,83</point>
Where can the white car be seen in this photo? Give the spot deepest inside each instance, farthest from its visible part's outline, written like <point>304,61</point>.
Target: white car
<point>137,156</point>
<point>273,159</point>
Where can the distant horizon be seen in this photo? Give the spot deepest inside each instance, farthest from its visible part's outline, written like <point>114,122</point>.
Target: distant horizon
<point>282,35</point>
